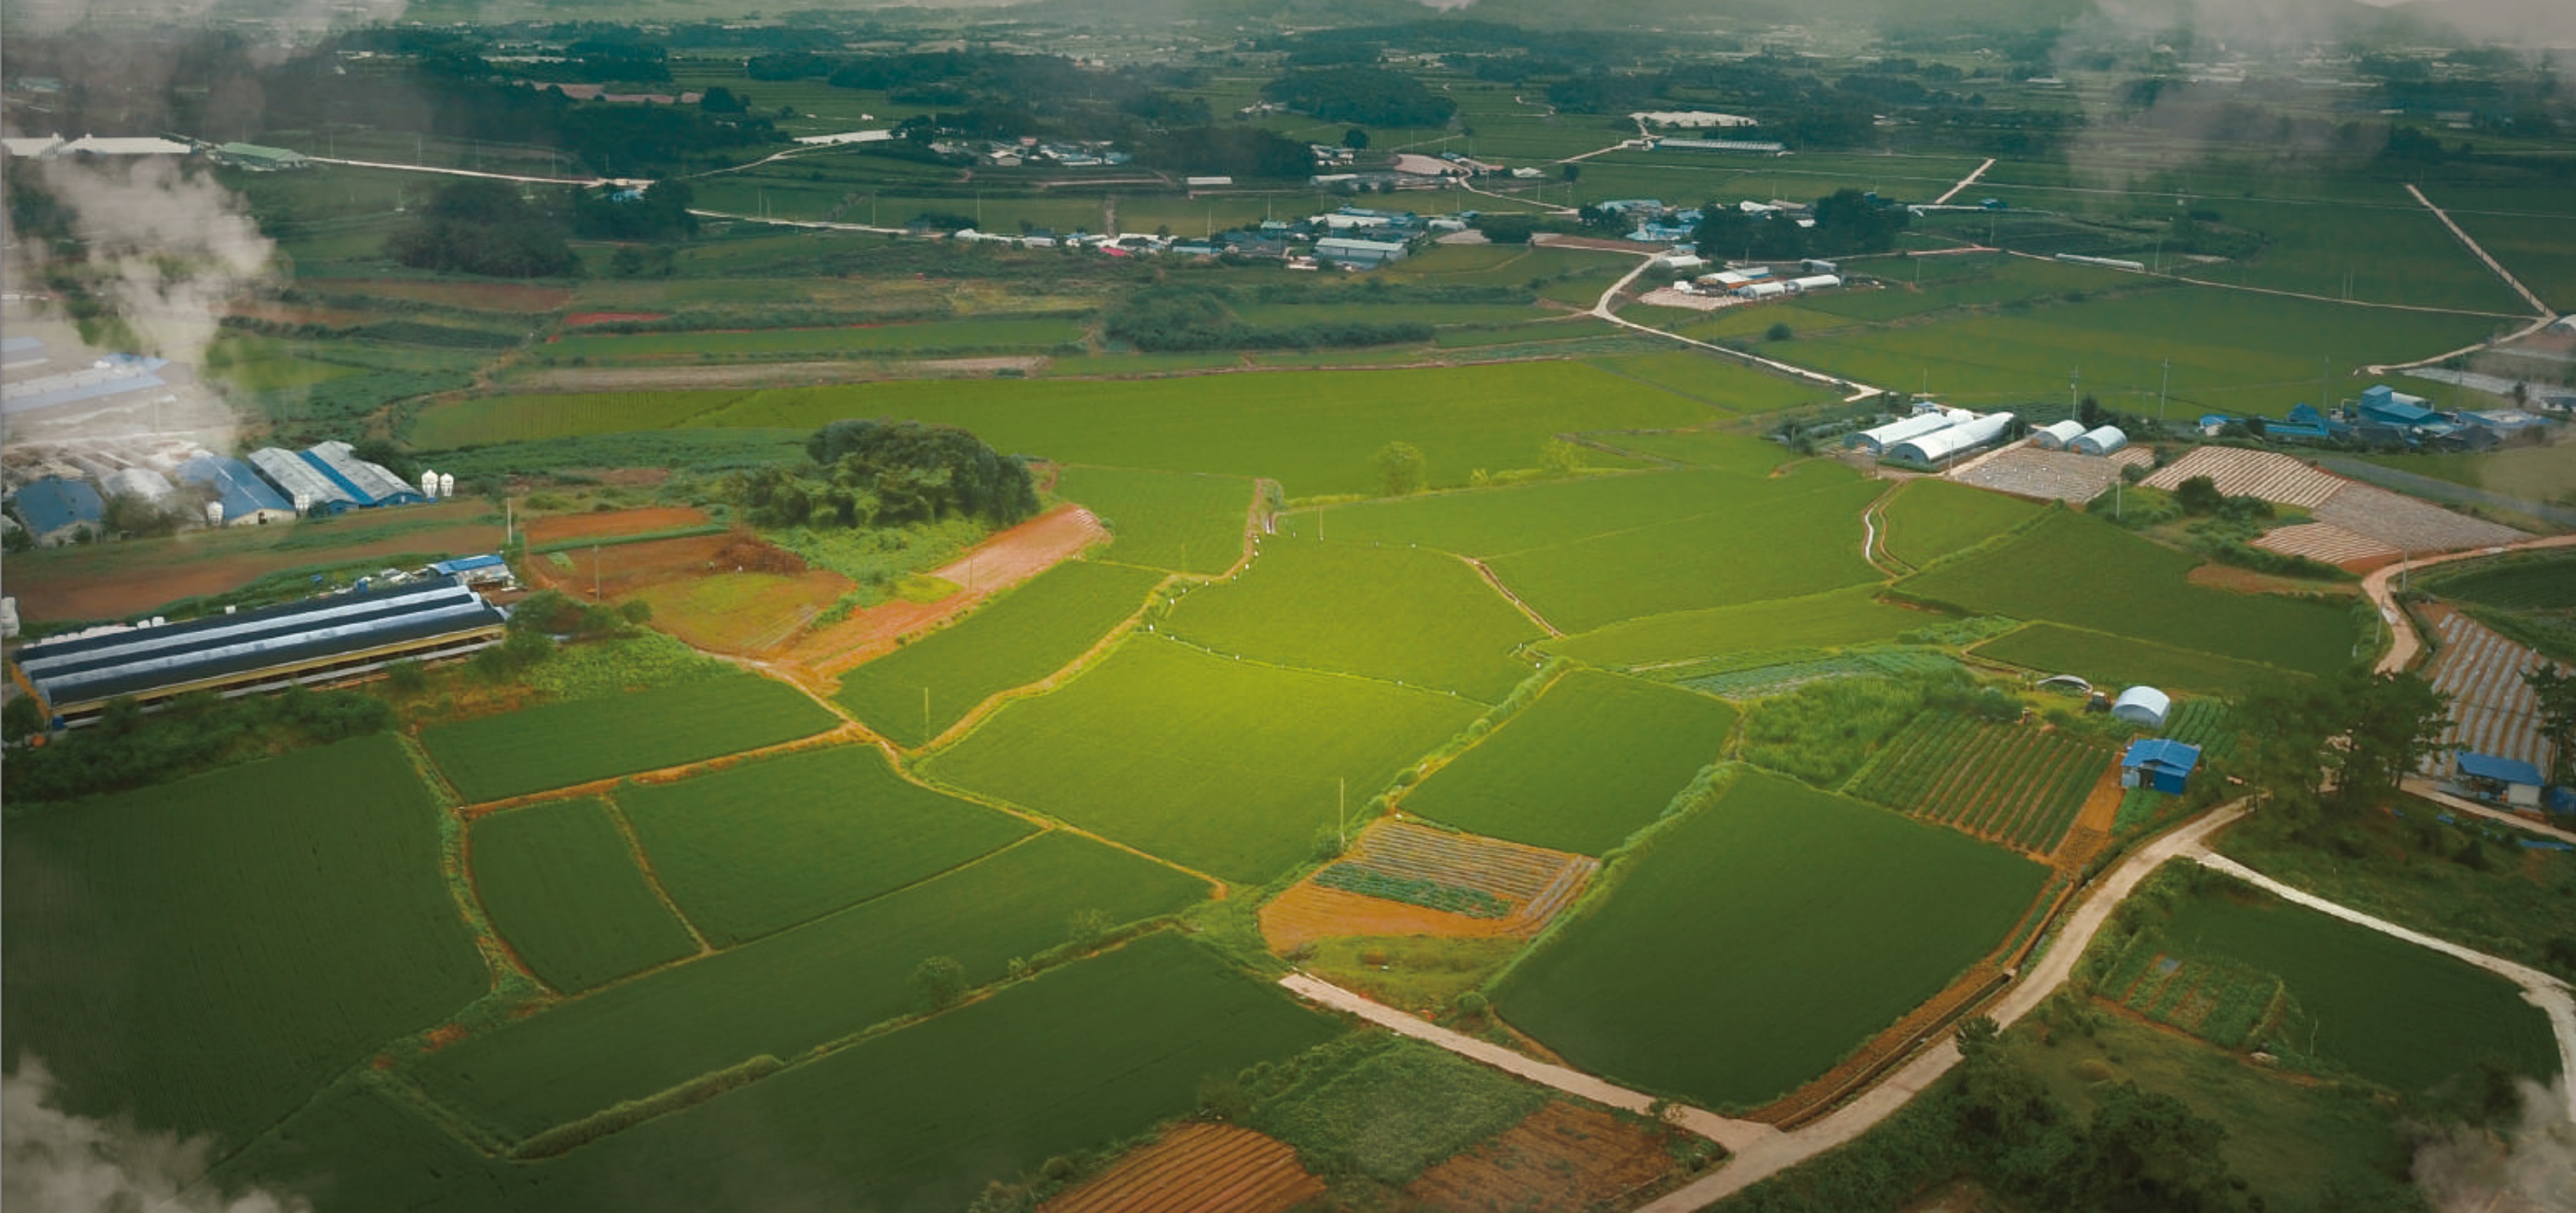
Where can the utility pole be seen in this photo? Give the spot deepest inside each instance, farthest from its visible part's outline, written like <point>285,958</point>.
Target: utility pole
<point>594,572</point>
<point>2162,389</point>
<point>1342,810</point>
<point>925,715</point>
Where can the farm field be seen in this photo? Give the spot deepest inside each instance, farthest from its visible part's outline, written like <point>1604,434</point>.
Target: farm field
<point>1400,1107</point>
<point>1714,381</point>
<point>1929,519</point>
<point>2493,711</point>
<point>1703,448</point>
<point>2081,571</point>
<point>1837,617</point>
<point>2010,784</point>
<point>1400,878</point>
<point>1406,615</point>
<point>1565,1156</point>
<point>1736,927</point>
<point>1315,435</point>
<point>1175,521</point>
<point>760,847</point>
<point>2393,1012</point>
<point>2540,580</point>
<point>484,420</point>
<point>568,743</point>
<point>2539,250</point>
<point>2117,661</point>
<point>791,992</point>
<point>920,1118</point>
<point>1523,517</point>
<point>2384,250</point>
<point>918,691</point>
<point>2539,473</point>
<point>1213,1168</point>
<point>1596,758</point>
<point>938,336</point>
<point>559,882</point>
<point>1228,767</point>
<point>274,965</point>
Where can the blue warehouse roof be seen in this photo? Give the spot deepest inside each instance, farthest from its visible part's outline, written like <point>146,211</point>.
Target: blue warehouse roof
<point>143,660</point>
<point>466,564</point>
<point>239,488</point>
<point>55,504</point>
<point>2163,753</point>
<point>2501,770</point>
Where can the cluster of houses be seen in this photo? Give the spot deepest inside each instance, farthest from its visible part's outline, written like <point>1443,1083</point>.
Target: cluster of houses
<point>1350,238</point>
<point>58,492</point>
<point>2387,418</point>
<point>1031,150</point>
<point>1753,282</point>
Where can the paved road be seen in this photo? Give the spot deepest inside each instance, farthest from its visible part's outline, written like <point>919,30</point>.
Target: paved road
<point>1601,308</point>
<point>2537,305</point>
<point>1964,182</point>
<point>2403,644</point>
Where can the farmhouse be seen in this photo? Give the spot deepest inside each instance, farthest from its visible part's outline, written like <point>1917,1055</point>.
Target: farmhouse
<point>2159,764</point>
<point>488,569</point>
<point>317,641</point>
<point>241,497</point>
<point>2145,706</point>
<point>2510,780</point>
<point>59,511</point>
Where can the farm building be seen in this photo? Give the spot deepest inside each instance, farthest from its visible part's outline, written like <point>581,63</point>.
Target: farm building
<point>244,498</point>
<point>2384,405</point>
<point>1814,282</point>
<point>2511,780</point>
<point>257,159</point>
<point>59,511</point>
<point>475,570</point>
<point>317,641</point>
<point>2144,706</point>
<point>1953,441</point>
<point>1877,440</point>
<point>1348,250</point>
<point>2055,436</point>
<point>2099,441</point>
<point>329,479</point>
<point>134,482</point>
<point>2159,764</point>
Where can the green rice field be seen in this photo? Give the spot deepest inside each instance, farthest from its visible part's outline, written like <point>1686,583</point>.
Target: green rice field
<point>1782,925</point>
<point>560,884</point>
<point>1178,522</point>
<point>1837,617</point>
<point>2118,661</point>
<point>2011,784</point>
<point>1596,758</point>
<point>1715,381</point>
<point>202,957</point>
<point>916,692</point>
<point>568,743</point>
<point>848,971</point>
<point>485,420</point>
<point>938,336</point>
<point>760,847</point>
<point>2087,573</point>
<point>1929,519</point>
<point>1227,767</point>
<point>1406,615</point>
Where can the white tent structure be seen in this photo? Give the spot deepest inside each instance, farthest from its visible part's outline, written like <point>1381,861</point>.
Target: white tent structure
<point>1877,440</point>
<point>2143,706</point>
<point>2055,437</point>
<point>2100,441</point>
<point>1954,440</point>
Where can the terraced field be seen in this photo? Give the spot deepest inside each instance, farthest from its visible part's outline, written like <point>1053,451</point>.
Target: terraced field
<point>1400,878</point>
<point>2274,477</point>
<point>2493,711</point>
<point>2014,784</point>
<point>1838,617</point>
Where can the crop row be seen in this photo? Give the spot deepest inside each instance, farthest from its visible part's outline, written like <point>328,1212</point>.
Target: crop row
<point>1760,681</point>
<point>2202,722</point>
<point>2013,785</point>
<point>1413,891</point>
<point>2220,1001</point>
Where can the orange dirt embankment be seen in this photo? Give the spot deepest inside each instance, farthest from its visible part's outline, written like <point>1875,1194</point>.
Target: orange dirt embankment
<point>1197,1168</point>
<point>2092,829</point>
<point>609,524</point>
<point>1308,912</point>
<point>1535,882</point>
<point>998,563</point>
<point>1565,1156</point>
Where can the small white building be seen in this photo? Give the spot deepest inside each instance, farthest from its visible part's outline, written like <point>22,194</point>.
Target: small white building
<point>1876,440</point>
<point>1762,290</point>
<point>1814,282</point>
<point>2055,437</point>
<point>2145,707</point>
<point>2101,441</point>
<point>1952,441</point>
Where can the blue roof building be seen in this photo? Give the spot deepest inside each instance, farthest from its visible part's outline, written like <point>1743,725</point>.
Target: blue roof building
<point>2384,405</point>
<point>247,499</point>
<point>2159,763</point>
<point>2515,782</point>
<point>56,510</point>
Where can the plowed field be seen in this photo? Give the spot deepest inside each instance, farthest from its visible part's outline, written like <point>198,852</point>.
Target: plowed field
<point>2274,477</point>
<point>723,593</point>
<point>565,527</point>
<point>1398,875</point>
<point>1198,1168</point>
<point>1564,1156</point>
<point>2326,542</point>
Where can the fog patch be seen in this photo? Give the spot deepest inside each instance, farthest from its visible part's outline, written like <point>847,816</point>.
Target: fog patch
<point>54,1162</point>
<point>2468,1170</point>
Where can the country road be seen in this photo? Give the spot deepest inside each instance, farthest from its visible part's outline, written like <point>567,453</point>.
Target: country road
<point>2403,644</point>
<point>1602,309</point>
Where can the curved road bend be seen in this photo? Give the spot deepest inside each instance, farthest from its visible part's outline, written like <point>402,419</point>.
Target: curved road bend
<point>1601,308</point>
<point>2403,645</point>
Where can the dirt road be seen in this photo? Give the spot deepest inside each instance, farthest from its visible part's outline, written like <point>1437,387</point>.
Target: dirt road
<point>2404,644</point>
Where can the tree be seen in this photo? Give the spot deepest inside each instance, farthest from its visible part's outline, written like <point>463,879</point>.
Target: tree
<point>1571,172</point>
<point>2390,722</point>
<point>2557,695</point>
<point>721,100</point>
<point>479,226</point>
<point>1400,469</point>
<point>2198,496</point>
<point>2283,757</point>
<point>1559,457</point>
<point>938,983</point>
<point>1356,139</point>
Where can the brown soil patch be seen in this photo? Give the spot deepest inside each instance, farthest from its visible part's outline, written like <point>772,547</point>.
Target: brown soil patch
<point>1197,1168</point>
<point>2247,581</point>
<point>2092,829</point>
<point>476,296</point>
<point>1565,1156</point>
<point>1534,881</point>
<point>729,593</point>
<point>1308,912</point>
<point>582,318</point>
<point>607,523</point>
<point>444,1035</point>
<point>116,580</point>
<point>998,563</point>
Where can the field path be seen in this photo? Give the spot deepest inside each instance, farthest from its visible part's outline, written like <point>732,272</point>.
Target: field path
<point>998,563</point>
<point>1736,1135</point>
<point>2538,305</point>
<point>2539,989</point>
<point>1508,596</point>
<point>1601,308</point>
<point>1964,182</point>
<point>1768,1156</point>
<point>2404,644</point>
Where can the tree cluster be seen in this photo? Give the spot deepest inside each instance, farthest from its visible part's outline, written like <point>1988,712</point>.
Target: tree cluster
<point>2324,750</point>
<point>660,214</point>
<point>1847,222</point>
<point>478,226</point>
<point>1369,96</point>
<point>1234,151</point>
<point>1175,318</point>
<point>877,473</point>
<point>129,749</point>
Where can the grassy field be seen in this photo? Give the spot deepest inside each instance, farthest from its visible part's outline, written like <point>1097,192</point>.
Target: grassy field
<point>1928,519</point>
<point>2546,581</point>
<point>560,883</point>
<point>2387,250</point>
<point>1399,1107</point>
<point>2534,473</point>
<point>568,743</point>
<point>1314,433</point>
<point>1704,448</point>
<point>1745,927</point>
<point>203,956</point>
<point>485,420</point>
<point>1592,761</point>
<point>2231,351</point>
<point>938,336</point>
<point>2117,661</point>
<point>1837,617</point>
<point>1174,521</point>
<point>1715,381</point>
<point>2393,1012</point>
<point>2539,250</point>
<point>761,847</point>
<point>920,1118</point>
<point>916,692</point>
<point>2011,784</point>
<point>792,991</point>
<point>1406,615</point>
<point>1228,767</point>
<point>2078,570</point>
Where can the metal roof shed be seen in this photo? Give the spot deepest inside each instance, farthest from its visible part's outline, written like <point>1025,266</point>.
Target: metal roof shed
<point>247,500</point>
<point>2159,763</point>
<point>301,482</point>
<point>1876,440</point>
<point>2516,782</point>
<point>373,483</point>
<point>2145,706</point>
<point>56,509</point>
